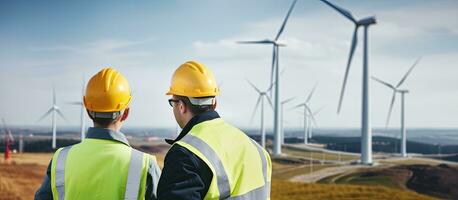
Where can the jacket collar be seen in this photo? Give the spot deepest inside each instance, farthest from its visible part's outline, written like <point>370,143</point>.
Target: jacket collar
<point>107,134</point>
<point>206,116</point>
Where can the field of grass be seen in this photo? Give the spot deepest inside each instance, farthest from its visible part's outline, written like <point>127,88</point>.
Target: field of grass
<point>317,155</point>
<point>284,190</point>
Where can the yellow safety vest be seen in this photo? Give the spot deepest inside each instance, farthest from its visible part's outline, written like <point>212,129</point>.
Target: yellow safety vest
<point>99,169</point>
<point>241,167</point>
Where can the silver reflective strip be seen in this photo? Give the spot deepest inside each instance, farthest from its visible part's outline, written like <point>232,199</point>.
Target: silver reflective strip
<point>260,193</point>
<point>60,172</point>
<point>221,176</point>
<point>263,159</point>
<point>134,176</point>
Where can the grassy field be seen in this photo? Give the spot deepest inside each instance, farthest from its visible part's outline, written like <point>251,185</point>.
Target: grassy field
<point>317,155</point>
<point>20,178</point>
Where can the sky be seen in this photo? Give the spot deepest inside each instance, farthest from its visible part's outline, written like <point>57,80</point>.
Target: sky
<point>62,43</point>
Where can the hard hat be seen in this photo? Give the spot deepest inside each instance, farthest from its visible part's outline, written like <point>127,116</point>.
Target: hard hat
<point>107,91</point>
<point>193,79</point>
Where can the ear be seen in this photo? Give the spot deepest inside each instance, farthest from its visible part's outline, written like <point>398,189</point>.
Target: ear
<point>125,114</point>
<point>182,107</point>
<point>215,104</point>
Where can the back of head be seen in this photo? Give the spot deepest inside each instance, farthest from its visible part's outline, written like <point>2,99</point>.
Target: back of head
<point>107,95</point>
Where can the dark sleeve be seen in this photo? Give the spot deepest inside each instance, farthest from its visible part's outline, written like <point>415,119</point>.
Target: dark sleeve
<point>184,176</point>
<point>45,192</point>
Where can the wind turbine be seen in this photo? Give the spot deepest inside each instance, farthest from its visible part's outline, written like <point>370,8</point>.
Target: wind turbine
<point>282,104</point>
<point>275,69</point>
<point>366,132</point>
<point>261,97</point>
<point>53,111</point>
<point>7,139</point>
<point>312,121</point>
<point>82,112</point>
<point>306,107</point>
<point>402,92</point>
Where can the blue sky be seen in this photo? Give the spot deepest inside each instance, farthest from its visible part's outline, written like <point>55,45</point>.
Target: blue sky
<point>58,42</point>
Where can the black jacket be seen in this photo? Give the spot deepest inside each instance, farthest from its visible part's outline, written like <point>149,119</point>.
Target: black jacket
<point>185,176</point>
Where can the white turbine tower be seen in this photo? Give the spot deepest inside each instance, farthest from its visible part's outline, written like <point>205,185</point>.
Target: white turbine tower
<point>53,111</point>
<point>366,130</point>
<point>402,92</point>
<point>261,97</point>
<point>282,105</point>
<point>82,112</point>
<point>275,69</point>
<point>307,109</point>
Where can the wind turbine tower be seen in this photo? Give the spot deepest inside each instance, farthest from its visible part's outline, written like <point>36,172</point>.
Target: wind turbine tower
<point>275,70</point>
<point>366,129</point>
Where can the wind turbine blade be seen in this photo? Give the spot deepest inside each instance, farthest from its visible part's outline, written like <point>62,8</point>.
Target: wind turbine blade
<point>318,111</point>
<point>274,57</point>
<point>408,72</point>
<point>77,103</point>
<point>61,115</point>
<point>270,102</point>
<point>270,87</point>
<point>254,87</point>
<point>288,100</point>
<point>255,108</point>
<point>390,109</point>
<point>46,114</point>
<point>53,95</point>
<point>297,106</point>
<point>342,11</point>
<point>310,114</point>
<point>352,51</point>
<point>311,93</point>
<point>383,82</point>
<point>256,42</point>
<point>285,20</point>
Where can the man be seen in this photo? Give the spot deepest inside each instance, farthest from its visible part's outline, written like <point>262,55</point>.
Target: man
<point>210,159</point>
<point>103,165</point>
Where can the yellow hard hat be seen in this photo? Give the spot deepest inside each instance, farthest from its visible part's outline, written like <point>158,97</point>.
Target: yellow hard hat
<point>193,79</point>
<point>107,91</point>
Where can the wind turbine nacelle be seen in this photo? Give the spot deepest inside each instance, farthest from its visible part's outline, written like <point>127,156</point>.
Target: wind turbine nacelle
<point>367,21</point>
<point>403,91</point>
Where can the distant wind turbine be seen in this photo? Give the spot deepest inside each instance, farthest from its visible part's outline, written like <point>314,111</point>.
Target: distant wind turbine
<point>53,110</point>
<point>82,113</point>
<point>282,104</point>
<point>261,97</point>
<point>393,99</point>
<point>366,132</point>
<point>307,109</point>
<point>275,70</point>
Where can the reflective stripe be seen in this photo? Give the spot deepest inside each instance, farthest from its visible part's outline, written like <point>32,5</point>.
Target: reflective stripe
<point>60,172</point>
<point>263,159</point>
<point>134,176</point>
<point>258,193</point>
<point>221,176</point>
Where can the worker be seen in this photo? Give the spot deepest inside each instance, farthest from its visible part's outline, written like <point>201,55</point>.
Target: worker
<point>210,159</point>
<point>104,165</point>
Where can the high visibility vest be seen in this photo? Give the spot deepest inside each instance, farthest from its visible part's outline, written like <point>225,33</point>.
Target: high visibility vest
<point>241,167</point>
<point>99,169</point>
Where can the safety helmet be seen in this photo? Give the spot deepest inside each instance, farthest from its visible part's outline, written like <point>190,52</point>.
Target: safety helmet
<point>193,79</point>
<point>107,91</point>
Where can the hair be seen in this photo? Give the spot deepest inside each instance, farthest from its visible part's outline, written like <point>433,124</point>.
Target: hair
<point>196,109</point>
<point>103,122</point>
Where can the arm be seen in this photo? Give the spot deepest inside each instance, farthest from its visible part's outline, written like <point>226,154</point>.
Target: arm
<point>152,179</point>
<point>44,192</point>
<point>185,176</point>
